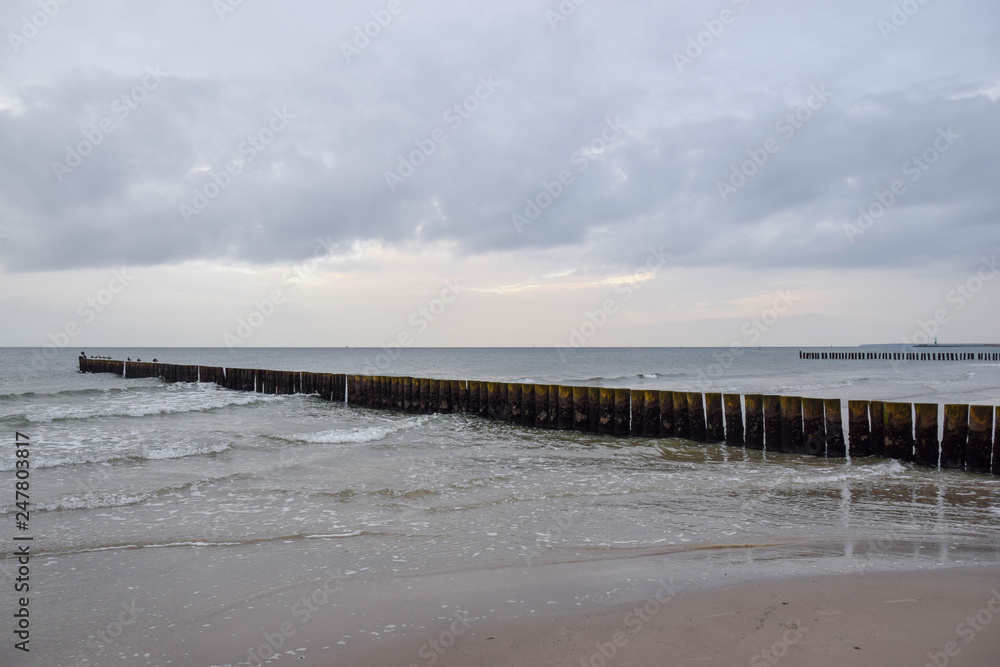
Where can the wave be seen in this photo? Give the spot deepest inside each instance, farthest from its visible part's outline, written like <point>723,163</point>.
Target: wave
<point>93,500</point>
<point>652,375</point>
<point>133,453</point>
<point>356,435</point>
<point>849,473</point>
<point>173,399</point>
<point>254,541</point>
<point>91,391</point>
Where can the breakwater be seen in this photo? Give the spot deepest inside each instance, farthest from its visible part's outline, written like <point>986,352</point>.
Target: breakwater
<point>893,355</point>
<point>789,424</point>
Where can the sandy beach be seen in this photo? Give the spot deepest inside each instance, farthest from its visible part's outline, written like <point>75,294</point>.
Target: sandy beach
<point>938,618</point>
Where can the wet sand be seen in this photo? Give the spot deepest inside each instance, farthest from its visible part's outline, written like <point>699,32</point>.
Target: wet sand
<point>938,618</point>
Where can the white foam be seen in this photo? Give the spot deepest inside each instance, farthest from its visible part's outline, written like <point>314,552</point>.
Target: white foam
<point>89,501</point>
<point>86,454</point>
<point>357,435</point>
<point>172,399</point>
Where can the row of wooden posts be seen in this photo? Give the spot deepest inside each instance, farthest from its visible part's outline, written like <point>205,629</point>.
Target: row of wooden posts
<point>902,356</point>
<point>788,424</point>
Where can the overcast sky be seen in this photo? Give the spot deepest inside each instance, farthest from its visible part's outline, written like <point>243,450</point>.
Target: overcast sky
<point>468,173</point>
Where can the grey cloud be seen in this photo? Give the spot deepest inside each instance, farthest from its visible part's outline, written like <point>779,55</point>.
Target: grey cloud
<point>324,176</point>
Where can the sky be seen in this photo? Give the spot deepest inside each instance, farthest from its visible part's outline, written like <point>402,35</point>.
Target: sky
<point>424,173</point>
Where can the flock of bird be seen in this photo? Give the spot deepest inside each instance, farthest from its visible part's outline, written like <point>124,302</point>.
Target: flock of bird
<point>104,356</point>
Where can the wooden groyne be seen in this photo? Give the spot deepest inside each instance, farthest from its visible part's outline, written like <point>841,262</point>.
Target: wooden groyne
<point>900,356</point>
<point>789,424</point>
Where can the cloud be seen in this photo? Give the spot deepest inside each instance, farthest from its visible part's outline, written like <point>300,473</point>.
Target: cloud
<point>554,93</point>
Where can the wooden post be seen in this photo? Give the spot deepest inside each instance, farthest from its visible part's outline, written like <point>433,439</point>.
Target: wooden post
<point>813,427</point>
<point>504,411</point>
<point>553,406</point>
<point>424,403</point>
<point>461,389</point>
<point>716,430</point>
<point>682,422</point>
<point>637,397</point>
<point>836,447</point>
<point>898,431</point>
<point>734,420</point>
<point>339,388</point>
<point>651,424</point>
<point>606,420</point>
<point>696,416</point>
<point>529,408</point>
<point>956,436</point>
<point>791,425</point>
<point>396,393</point>
<point>581,408</point>
<point>859,429</point>
<point>667,418</point>
<point>565,408</point>
<point>772,423</point>
<point>926,443</point>
<point>515,398</point>
<point>622,415</point>
<point>755,421</point>
<point>446,398</point>
<point>434,396</point>
<point>493,411</point>
<point>475,402</point>
<point>877,413</point>
<point>408,395</point>
<point>543,406</point>
<point>594,409</point>
<point>980,444</point>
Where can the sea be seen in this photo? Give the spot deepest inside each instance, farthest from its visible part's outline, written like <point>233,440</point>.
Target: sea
<point>186,524</point>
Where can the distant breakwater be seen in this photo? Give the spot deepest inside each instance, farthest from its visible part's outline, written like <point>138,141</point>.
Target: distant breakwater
<point>892,355</point>
<point>788,424</point>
